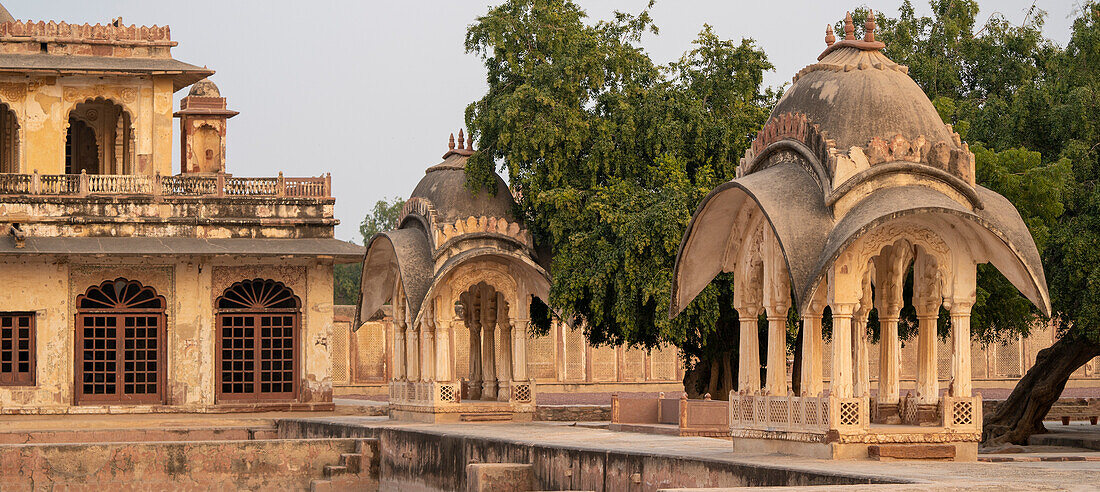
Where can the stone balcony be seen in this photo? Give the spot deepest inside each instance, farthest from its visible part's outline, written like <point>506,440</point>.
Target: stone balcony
<point>203,206</point>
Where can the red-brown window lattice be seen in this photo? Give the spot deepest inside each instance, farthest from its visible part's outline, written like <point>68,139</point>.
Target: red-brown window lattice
<point>120,330</point>
<point>258,323</point>
<point>17,349</point>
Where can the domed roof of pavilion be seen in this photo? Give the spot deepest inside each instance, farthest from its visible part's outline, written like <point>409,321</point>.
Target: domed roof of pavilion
<point>444,186</point>
<point>442,225</point>
<point>204,88</point>
<point>855,93</point>
<point>853,144</point>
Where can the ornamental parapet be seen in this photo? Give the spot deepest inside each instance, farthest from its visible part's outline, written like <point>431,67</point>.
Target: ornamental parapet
<point>62,38</point>
<point>214,185</point>
<point>202,206</point>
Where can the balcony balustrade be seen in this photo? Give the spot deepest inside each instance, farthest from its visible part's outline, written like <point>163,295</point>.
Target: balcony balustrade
<point>217,185</point>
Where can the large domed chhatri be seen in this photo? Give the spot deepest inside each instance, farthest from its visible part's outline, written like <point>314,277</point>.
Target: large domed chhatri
<point>458,264</point>
<point>853,183</point>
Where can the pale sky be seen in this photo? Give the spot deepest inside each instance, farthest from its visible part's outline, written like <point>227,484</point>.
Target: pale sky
<point>370,90</point>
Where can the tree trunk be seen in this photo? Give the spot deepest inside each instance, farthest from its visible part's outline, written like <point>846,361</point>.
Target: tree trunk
<point>1021,415</point>
<point>695,379</point>
<point>715,376</point>
<point>796,369</point>
<point>727,379</point>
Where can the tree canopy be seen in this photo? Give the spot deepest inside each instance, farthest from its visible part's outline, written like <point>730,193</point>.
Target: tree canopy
<point>610,153</point>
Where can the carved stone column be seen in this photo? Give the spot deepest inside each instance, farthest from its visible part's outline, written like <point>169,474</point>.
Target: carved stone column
<point>841,385</point>
<point>748,356</point>
<point>861,357</point>
<point>519,349</point>
<point>962,301</point>
<point>412,354</point>
<point>473,323</point>
<point>776,383</point>
<point>777,301</point>
<point>488,347</point>
<point>399,347</point>
<point>504,359</point>
<point>427,352</point>
<point>444,366</point>
<point>812,345</point>
<point>960,336</point>
<point>926,287</point>
<point>890,270</point>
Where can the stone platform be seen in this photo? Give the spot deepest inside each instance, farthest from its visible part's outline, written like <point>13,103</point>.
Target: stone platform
<point>466,411</point>
<point>567,457</point>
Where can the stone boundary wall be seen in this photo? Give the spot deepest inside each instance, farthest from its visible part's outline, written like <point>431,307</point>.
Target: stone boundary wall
<point>572,413</point>
<point>425,459</point>
<point>197,465</point>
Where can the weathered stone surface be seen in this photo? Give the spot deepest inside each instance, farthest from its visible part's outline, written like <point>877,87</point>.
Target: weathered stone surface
<point>911,451</point>
<point>500,477</point>
<point>209,465</point>
<point>573,413</point>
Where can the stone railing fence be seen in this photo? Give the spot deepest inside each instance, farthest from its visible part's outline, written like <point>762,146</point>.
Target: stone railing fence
<point>217,185</point>
<point>798,414</point>
<point>962,413</point>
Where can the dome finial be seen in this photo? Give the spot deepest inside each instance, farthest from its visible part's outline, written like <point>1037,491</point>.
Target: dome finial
<point>829,37</point>
<point>869,27</point>
<point>451,144</point>
<point>849,28</point>
<point>461,140</point>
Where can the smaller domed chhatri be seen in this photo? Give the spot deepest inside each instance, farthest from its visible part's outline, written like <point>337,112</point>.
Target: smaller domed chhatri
<point>458,264</point>
<point>204,88</point>
<point>853,182</point>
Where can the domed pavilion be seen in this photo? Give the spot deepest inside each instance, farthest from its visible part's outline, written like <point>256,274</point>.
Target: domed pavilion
<point>456,258</point>
<point>854,182</point>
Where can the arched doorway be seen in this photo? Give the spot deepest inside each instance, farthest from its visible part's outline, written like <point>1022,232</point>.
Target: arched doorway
<point>120,333</point>
<point>258,348</point>
<point>9,140</point>
<point>100,139</point>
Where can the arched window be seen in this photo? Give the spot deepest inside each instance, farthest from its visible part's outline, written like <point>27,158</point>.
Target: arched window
<point>258,355</point>
<point>100,138</point>
<point>120,331</point>
<point>9,140</point>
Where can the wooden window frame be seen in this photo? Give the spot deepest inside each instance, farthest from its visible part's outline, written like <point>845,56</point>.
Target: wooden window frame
<point>120,315</point>
<point>255,309</point>
<point>15,377</point>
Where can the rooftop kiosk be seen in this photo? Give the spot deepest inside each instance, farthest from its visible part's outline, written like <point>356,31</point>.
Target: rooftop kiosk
<point>458,268</point>
<point>853,179</point>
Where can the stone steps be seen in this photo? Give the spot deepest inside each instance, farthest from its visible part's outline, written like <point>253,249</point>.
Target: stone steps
<point>349,473</point>
<point>883,452</point>
<point>486,417</point>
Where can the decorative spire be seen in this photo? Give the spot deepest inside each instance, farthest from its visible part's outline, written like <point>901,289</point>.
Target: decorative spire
<point>849,28</point>
<point>461,140</point>
<point>829,37</point>
<point>869,27</point>
<point>470,142</point>
<point>451,144</point>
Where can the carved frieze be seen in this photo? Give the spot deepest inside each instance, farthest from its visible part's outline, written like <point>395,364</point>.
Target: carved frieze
<point>492,225</point>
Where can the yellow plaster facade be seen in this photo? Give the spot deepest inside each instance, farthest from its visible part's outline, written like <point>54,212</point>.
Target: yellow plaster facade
<point>130,288</point>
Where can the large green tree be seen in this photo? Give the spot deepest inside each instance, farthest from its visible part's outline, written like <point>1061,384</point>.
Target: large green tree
<point>1030,110</point>
<point>610,153</point>
<point>382,217</point>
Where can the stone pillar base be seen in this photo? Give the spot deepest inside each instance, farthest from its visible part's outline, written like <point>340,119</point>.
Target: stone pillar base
<point>473,391</point>
<point>928,414</point>
<point>504,391</point>
<point>488,390</point>
<point>888,413</point>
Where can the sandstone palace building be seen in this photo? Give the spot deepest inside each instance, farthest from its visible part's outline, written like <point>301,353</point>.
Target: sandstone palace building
<point>131,285</point>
